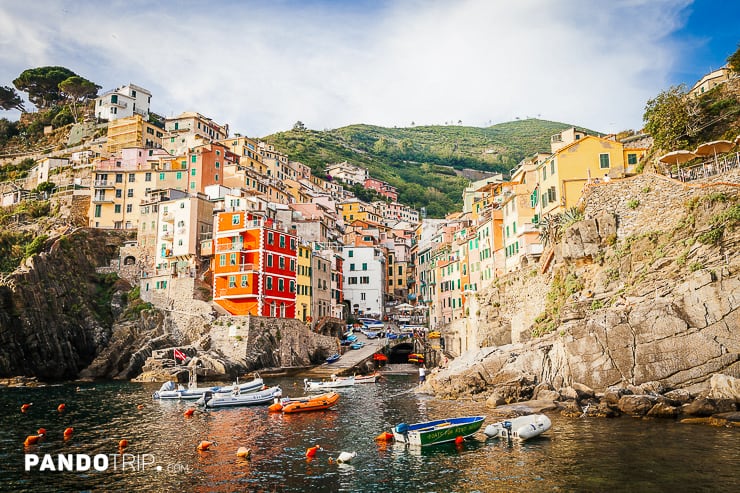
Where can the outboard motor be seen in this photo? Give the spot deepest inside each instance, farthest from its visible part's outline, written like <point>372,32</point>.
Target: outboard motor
<point>507,427</point>
<point>207,396</point>
<point>167,386</point>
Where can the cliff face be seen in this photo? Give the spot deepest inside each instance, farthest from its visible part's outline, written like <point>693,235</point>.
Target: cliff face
<point>645,289</point>
<point>55,311</point>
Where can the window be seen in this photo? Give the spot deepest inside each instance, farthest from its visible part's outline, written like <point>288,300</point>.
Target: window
<point>364,280</point>
<point>232,281</point>
<point>148,177</point>
<point>117,208</point>
<point>130,192</point>
<point>269,282</point>
<point>400,270</point>
<point>119,178</point>
<point>604,161</point>
<point>544,173</point>
<point>351,267</point>
<point>119,193</point>
<point>552,167</point>
<point>218,165</point>
<point>232,259</point>
<point>193,171</point>
<point>131,178</point>
<point>235,219</point>
<point>129,208</point>
<point>193,158</point>
<point>179,175</point>
<point>281,284</point>
<point>282,241</point>
<point>292,243</point>
<point>222,260</point>
<point>161,176</point>
<point>281,262</point>
<point>362,296</point>
<point>351,280</point>
<point>364,266</point>
<point>192,185</point>
<point>551,197</point>
<point>631,158</point>
<point>270,239</point>
<point>269,260</point>
<point>292,286</point>
<point>98,210</point>
<point>292,265</point>
<point>514,227</point>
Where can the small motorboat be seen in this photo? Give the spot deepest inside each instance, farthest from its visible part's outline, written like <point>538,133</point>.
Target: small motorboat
<point>304,404</point>
<point>352,338</point>
<point>334,383</point>
<point>416,358</point>
<point>334,357</point>
<point>192,391</point>
<point>236,398</point>
<point>438,431</point>
<point>521,428</point>
<point>372,378</point>
<point>357,345</point>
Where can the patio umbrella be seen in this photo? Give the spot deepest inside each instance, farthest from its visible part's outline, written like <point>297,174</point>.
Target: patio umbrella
<point>712,148</point>
<point>677,157</point>
<point>403,306</point>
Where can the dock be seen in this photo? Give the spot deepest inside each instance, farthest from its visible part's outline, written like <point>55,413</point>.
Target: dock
<point>352,360</point>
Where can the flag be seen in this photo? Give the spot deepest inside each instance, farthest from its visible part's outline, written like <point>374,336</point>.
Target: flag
<point>179,355</point>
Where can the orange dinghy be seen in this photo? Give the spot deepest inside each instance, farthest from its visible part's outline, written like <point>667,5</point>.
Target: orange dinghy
<point>315,403</point>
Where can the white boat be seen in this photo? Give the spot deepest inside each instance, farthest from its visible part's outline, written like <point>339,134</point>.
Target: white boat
<point>372,378</point>
<point>334,383</point>
<point>522,428</point>
<point>192,391</point>
<point>236,398</point>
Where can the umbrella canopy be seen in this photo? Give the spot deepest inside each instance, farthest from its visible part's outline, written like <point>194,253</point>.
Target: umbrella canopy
<point>677,157</point>
<point>403,306</point>
<point>714,147</point>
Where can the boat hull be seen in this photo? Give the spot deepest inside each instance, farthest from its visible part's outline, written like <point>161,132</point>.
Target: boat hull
<point>521,428</point>
<point>237,399</point>
<point>197,393</point>
<point>332,384</point>
<point>439,431</point>
<point>318,403</point>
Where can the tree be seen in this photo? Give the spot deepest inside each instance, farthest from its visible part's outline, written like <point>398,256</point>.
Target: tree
<point>10,100</point>
<point>42,84</point>
<point>667,118</point>
<point>299,126</point>
<point>78,90</point>
<point>734,60</point>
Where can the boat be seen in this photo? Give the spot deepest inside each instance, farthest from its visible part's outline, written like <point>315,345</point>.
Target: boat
<point>236,398</point>
<point>334,357</point>
<point>372,378</point>
<point>438,431</point>
<point>334,383</point>
<point>522,427</point>
<point>192,391</point>
<point>304,404</point>
<point>380,357</point>
<point>352,338</point>
<point>357,345</point>
<point>416,358</point>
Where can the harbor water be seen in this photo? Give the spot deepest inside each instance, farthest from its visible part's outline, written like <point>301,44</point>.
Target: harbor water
<point>586,454</point>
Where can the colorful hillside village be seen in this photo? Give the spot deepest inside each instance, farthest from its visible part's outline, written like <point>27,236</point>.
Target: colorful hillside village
<point>265,236</point>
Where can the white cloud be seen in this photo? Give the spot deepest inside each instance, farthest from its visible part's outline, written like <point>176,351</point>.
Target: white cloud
<point>261,67</point>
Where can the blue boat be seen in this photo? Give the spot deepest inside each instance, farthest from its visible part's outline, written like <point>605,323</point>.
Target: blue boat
<point>352,338</point>
<point>332,358</point>
<point>357,345</point>
<point>439,431</point>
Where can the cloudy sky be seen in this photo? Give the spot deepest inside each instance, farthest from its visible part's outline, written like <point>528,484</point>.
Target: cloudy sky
<point>262,65</point>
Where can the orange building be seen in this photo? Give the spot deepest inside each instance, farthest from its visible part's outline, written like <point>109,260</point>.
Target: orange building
<point>253,265</point>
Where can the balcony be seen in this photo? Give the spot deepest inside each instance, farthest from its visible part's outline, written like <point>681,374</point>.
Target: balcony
<point>229,247</point>
<point>167,236</point>
<point>103,184</point>
<point>533,249</point>
<point>101,199</point>
<point>168,217</point>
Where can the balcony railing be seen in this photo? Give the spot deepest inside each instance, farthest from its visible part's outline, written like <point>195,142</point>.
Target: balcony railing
<point>229,247</point>
<point>168,217</point>
<point>103,184</point>
<point>100,199</point>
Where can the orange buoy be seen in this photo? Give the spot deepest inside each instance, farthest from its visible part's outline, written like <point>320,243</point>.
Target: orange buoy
<point>459,440</point>
<point>25,407</point>
<point>311,451</point>
<point>331,460</point>
<point>244,452</point>
<point>123,444</point>
<point>41,432</point>
<point>384,437</point>
<point>204,445</point>
<point>140,406</point>
<point>68,432</point>
<point>189,412</point>
<point>61,407</point>
<point>31,440</point>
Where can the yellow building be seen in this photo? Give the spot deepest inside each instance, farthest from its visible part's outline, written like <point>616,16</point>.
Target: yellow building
<point>356,209</point>
<point>588,159</point>
<point>303,283</point>
<point>248,151</point>
<point>122,183</point>
<point>133,131</point>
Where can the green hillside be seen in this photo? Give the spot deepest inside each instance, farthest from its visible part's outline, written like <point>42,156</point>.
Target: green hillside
<point>422,162</point>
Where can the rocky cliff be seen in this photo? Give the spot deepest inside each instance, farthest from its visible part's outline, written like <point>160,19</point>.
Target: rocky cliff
<point>55,310</point>
<point>645,289</point>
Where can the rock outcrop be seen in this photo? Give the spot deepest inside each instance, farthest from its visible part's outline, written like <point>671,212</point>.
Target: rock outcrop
<point>644,289</point>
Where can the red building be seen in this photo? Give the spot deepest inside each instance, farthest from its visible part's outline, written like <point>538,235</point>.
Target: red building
<point>253,265</point>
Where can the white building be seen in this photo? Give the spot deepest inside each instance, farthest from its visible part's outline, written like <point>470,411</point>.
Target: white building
<point>348,173</point>
<point>364,279</point>
<point>123,102</point>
